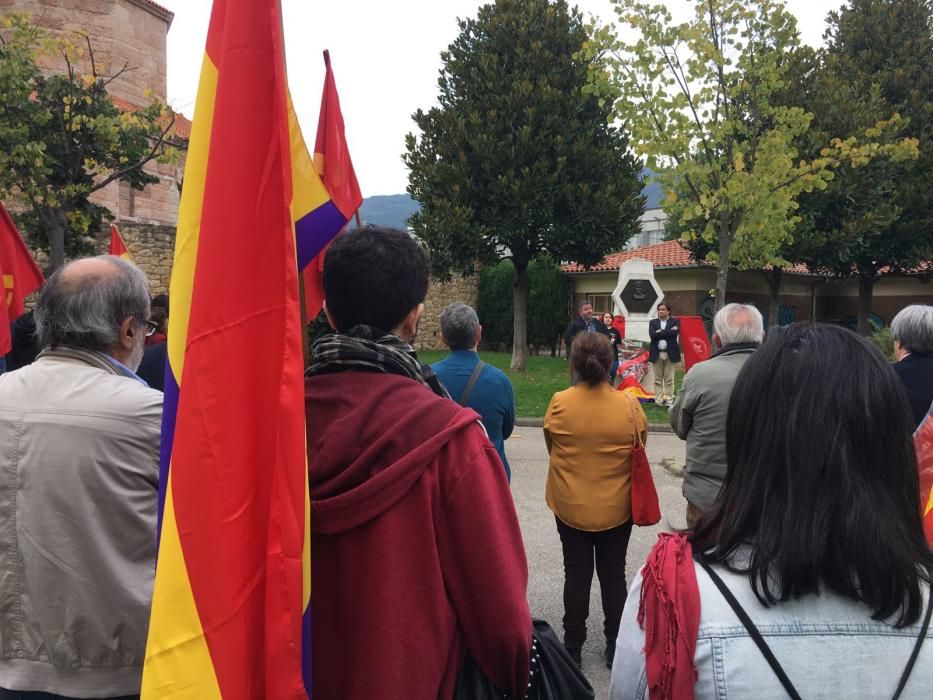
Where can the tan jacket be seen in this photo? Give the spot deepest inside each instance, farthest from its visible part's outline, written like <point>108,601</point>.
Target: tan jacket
<point>79,453</point>
<point>590,432</point>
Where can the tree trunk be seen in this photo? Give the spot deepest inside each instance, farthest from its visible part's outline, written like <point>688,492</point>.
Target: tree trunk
<point>53,223</point>
<point>722,267</point>
<point>866,285</point>
<point>774,296</point>
<point>520,318</point>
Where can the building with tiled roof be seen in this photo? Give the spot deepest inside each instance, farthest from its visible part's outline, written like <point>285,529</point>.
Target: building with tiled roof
<point>804,295</point>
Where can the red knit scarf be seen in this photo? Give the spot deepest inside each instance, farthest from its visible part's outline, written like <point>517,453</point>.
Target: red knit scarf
<point>669,612</point>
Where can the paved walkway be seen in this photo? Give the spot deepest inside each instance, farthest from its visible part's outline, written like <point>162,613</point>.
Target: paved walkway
<point>528,459</point>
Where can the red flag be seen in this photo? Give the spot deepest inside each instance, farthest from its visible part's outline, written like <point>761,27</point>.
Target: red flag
<point>694,342</point>
<point>21,277</point>
<point>333,164</point>
<point>117,246</point>
<point>923,441</point>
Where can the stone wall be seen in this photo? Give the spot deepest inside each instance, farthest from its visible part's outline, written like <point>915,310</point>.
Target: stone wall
<point>152,248</point>
<point>440,294</point>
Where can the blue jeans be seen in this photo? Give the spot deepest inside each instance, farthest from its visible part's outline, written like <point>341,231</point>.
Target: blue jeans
<point>38,695</point>
<point>613,370</point>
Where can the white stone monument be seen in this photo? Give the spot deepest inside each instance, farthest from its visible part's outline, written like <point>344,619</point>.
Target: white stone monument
<point>637,296</point>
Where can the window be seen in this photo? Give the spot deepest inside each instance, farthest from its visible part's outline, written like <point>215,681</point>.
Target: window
<point>601,303</point>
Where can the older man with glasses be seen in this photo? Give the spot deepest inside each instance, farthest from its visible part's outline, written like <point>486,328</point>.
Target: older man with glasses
<point>79,480</point>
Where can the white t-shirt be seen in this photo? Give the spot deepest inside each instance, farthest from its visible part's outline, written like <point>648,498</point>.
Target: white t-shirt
<point>662,344</point>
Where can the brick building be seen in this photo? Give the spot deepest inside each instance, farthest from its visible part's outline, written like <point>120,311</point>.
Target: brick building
<point>128,33</point>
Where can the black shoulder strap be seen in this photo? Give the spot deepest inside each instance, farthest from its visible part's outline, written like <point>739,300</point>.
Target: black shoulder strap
<point>753,632</point>
<point>916,652</point>
<point>471,382</point>
<point>773,662</point>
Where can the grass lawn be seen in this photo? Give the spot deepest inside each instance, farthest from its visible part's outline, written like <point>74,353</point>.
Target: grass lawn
<point>537,384</point>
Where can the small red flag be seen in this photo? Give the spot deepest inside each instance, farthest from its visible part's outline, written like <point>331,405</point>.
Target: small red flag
<point>335,168</point>
<point>21,277</point>
<point>694,343</point>
<point>117,246</point>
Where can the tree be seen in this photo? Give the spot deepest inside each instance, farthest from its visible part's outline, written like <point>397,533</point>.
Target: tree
<point>516,161</point>
<point>548,302</point>
<point>878,62</point>
<point>700,100</point>
<point>62,138</point>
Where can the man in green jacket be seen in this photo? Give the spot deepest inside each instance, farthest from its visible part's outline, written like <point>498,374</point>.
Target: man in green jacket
<point>699,413</point>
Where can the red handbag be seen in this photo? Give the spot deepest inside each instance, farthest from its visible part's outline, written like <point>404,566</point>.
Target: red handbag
<point>646,509</point>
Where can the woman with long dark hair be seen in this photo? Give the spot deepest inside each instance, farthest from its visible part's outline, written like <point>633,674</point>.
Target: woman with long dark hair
<point>590,431</point>
<point>810,577</point>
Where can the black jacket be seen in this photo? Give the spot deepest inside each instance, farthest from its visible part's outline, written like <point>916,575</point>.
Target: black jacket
<point>25,347</point>
<point>669,334</point>
<point>152,368</point>
<point>578,325</point>
<point>916,373</point>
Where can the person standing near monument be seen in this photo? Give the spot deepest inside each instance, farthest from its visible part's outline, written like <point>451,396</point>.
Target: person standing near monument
<point>583,323</point>
<point>664,354</point>
<point>615,339</point>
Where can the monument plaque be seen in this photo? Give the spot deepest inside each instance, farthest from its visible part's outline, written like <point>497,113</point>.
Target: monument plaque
<point>637,294</point>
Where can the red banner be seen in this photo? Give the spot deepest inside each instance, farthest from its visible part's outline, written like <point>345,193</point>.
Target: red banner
<point>694,342</point>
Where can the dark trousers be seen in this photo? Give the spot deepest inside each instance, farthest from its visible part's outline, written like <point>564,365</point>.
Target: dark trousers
<point>580,546</point>
<point>38,695</point>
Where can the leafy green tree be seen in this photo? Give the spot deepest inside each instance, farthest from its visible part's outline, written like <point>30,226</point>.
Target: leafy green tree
<point>516,161</point>
<point>548,303</point>
<point>62,138</point>
<point>878,62</point>
<point>494,304</point>
<point>701,100</point>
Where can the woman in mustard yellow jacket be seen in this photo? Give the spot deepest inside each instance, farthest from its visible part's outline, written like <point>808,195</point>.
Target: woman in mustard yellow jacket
<point>589,430</point>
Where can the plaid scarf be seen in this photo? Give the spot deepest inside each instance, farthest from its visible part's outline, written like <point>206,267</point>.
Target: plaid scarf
<point>365,349</point>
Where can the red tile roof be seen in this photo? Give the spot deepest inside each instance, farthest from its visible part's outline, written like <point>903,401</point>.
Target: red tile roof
<point>667,254</point>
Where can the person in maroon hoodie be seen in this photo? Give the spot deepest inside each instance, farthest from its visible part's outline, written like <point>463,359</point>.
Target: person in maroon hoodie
<point>417,556</point>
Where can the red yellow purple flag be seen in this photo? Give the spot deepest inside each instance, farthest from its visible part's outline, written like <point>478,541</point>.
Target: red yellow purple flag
<point>117,246</point>
<point>233,579</point>
<point>333,164</point>
<point>20,275</point>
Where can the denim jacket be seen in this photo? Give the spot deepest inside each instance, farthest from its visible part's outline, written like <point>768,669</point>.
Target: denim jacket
<point>828,645</point>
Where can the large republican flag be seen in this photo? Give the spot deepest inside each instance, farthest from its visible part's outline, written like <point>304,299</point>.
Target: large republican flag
<point>333,164</point>
<point>20,275</point>
<point>117,246</point>
<point>233,576</point>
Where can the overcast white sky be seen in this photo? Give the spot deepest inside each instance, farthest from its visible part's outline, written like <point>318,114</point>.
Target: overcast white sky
<point>386,57</point>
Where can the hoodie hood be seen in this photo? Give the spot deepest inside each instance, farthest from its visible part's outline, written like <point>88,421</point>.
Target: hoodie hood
<point>370,437</point>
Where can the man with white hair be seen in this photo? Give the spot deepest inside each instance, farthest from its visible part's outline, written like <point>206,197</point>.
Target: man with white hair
<point>79,487</point>
<point>912,330</point>
<point>699,413</point>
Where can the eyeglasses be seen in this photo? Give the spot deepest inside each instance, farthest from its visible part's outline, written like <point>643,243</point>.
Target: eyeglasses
<point>151,328</point>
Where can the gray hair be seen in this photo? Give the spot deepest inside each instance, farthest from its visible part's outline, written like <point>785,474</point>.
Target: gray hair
<point>85,311</point>
<point>913,328</point>
<point>459,324</point>
<point>739,323</point>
